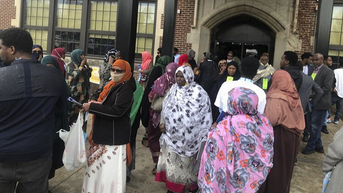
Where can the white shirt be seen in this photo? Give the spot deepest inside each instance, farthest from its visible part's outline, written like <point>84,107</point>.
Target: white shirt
<point>176,58</point>
<point>223,93</point>
<point>305,69</point>
<point>339,81</point>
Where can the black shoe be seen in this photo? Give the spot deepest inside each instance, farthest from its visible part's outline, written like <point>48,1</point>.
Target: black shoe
<point>169,191</point>
<point>319,150</point>
<point>194,191</point>
<point>307,151</point>
<point>306,137</point>
<point>325,130</point>
<point>128,179</point>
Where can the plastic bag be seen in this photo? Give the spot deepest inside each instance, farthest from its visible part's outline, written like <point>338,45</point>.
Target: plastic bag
<point>75,151</point>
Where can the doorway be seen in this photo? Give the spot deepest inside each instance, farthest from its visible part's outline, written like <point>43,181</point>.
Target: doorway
<point>242,35</point>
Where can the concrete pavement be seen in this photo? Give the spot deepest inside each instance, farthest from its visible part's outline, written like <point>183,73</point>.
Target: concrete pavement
<point>307,176</point>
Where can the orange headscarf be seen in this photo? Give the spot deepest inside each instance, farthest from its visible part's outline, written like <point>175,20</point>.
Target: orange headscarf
<point>122,64</point>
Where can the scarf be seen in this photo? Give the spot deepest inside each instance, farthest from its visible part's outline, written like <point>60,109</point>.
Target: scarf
<point>266,71</point>
<point>51,60</point>
<point>166,80</point>
<point>187,114</point>
<point>75,56</point>
<point>57,53</point>
<point>124,65</point>
<point>284,95</point>
<point>35,56</point>
<point>239,151</point>
<point>146,60</point>
<point>183,59</point>
<point>112,52</point>
<point>163,62</point>
<point>191,54</point>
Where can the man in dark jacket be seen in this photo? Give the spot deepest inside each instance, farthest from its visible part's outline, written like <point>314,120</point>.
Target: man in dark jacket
<point>324,77</point>
<point>30,97</point>
<point>207,69</point>
<point>289,63</point>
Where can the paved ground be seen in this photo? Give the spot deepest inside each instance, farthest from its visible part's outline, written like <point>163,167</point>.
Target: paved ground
<point>307,176</point>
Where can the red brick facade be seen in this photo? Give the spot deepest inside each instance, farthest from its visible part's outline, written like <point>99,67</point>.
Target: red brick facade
<point>184,21</point>
<point>7,12</point>
<point>307,15</point>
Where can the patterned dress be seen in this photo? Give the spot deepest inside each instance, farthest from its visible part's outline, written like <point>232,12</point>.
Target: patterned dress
<point>238,154</point>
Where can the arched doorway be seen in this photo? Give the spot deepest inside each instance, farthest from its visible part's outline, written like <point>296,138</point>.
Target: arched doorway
<point>242,34</point>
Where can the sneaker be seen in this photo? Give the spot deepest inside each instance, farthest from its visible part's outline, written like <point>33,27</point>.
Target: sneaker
<point>325,130</point>
<point>335,122</point>
<point>307,151</point>
<point>328,120</point>
<point>319,150</point>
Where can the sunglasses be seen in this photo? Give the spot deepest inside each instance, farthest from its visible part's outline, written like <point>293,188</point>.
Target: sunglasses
<point>117,70</point>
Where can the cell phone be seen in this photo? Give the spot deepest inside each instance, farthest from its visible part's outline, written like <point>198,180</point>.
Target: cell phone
<point>74,101</point>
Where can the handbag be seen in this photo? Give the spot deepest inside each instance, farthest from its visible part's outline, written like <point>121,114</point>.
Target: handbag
<point>156,103</point>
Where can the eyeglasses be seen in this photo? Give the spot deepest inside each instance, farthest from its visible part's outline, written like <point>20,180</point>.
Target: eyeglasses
<point>117,70</point>
<point>37,52</point>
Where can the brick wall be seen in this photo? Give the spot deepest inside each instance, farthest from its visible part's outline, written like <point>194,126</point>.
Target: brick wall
<point>184,20</point>
<point>7,12</point>
<point>306,24</point>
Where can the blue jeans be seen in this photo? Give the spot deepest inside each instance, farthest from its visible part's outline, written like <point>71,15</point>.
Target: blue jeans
<point>318,118</point>
<point>335,99</point>
<point>31,176</point>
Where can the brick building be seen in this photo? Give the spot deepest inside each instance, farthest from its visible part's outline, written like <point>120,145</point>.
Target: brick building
<point>253,26</point>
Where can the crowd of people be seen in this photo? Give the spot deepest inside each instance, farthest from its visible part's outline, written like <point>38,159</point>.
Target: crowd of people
<point>230,125</point>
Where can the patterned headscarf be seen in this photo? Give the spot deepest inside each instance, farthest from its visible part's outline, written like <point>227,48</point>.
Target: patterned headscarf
<point>187,115</point>
<point>167,79</point>
<point>112,52</point>
<point>75,56</point>
<point>240,149</point>
<point>146,59</point>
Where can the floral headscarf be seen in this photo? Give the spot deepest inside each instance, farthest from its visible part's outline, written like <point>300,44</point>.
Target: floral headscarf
<point>167,79</point>
<point>238,154</point>
<point>187,115</point>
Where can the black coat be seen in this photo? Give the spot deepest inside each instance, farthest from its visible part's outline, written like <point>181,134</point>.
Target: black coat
<point>112,118</point>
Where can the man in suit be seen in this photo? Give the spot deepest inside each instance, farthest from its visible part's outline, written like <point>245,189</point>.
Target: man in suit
<point>306,60</point>
<point>323,76</point>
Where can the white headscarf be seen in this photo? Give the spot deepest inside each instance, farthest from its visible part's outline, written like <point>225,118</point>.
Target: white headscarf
<point>187,115</point>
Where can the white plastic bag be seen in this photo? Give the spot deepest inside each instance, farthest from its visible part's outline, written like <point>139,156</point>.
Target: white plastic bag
<point>75,151</point>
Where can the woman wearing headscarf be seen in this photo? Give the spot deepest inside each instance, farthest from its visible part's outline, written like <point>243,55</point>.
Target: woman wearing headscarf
<point>106,163</point>
<point>37,52</point>
<point>191,61</point>
<point>186,119</point>
<point>79,74</point>
<point>238,153</point>
<point>155,73</point>
<point>58,54</point>
<point>61,120</point>
<point>207,69</point>
<point>230,73</point>
<point>183,59</point>
<point>160,89</point>
<point>285,113</point>
<point>145,67</point>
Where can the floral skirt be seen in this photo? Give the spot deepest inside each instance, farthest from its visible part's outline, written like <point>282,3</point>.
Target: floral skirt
<point>176,171</point>
<point>105,169</point>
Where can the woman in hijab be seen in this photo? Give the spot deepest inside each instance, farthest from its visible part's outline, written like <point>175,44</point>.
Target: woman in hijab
<point>285,113</point>
<point>238,153</point>
<point>155,73</point>
<point>183,59</point>
<point>37,52</point>
<point>107,159</point>
<point>59,54</point>
<point>186,118</point>
<point>61,120</point>
<point>191,61</point>
<point>145,67</point>
<point>160,89</point>
<point>230,73</point>
<point>79,74</point>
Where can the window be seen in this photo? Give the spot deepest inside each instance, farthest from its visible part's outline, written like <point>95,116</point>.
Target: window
<point>89,25</point>
<point>36,20</point>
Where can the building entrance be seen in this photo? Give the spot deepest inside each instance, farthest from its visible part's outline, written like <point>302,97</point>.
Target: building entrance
<point>243,35</point>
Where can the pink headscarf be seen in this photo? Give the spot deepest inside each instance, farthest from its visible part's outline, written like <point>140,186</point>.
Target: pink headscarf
<point>57,54</point>
<point>147,58</point>
<point>183,59</point>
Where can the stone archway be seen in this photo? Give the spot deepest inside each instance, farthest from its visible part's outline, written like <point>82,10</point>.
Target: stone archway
<point>200,35</point>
